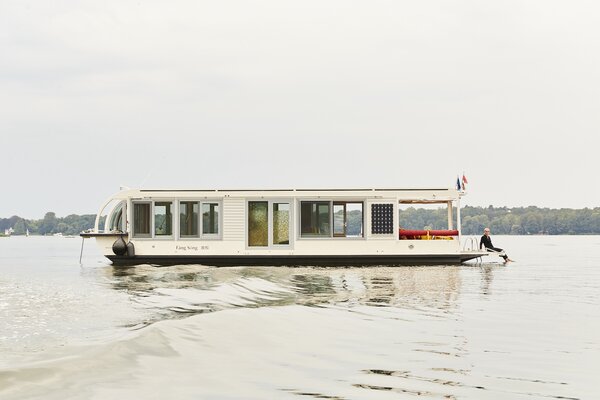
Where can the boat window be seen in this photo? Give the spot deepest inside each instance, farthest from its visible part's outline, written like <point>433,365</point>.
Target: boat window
<point>116,218</point>
<point>354,220</point>
<point>281,223</point>
<point>258,223</point>
<point>347,219</point>
<point>210,218</point>
<point>339,219</point>
<point>188,219</point>
<point>315,217</point>
<point>163,218</point>
<point>141,219</point>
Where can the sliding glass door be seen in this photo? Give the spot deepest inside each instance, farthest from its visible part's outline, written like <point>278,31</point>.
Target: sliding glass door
<point>269,223</point>
<point>281,224</point>
<point>258,223</point>
<point>347,219</point>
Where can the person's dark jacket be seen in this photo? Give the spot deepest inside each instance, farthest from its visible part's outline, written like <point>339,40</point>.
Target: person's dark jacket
<point>486,241</point>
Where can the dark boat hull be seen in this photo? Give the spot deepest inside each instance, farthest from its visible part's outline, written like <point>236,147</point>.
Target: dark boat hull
<point>291,260</point>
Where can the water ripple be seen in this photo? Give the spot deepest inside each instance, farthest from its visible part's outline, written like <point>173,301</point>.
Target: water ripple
<point>524,331</point>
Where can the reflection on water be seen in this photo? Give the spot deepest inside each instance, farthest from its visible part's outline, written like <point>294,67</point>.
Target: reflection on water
<point>197,289</point>
<point>486,278</point>
<point>482,331</point>
<point>396,317</point>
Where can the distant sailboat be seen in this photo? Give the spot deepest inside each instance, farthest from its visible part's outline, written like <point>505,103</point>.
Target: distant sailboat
<point>27,233</point>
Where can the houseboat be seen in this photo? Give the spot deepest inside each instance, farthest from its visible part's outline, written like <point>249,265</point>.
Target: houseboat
<point>326,227</point>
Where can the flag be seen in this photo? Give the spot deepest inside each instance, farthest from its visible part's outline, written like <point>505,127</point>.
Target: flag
<point>458,183</point>
<point>464,182</point>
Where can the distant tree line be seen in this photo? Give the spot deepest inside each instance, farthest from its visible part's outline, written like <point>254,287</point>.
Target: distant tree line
<point>501,220</point>
<point>508,221</point>
<point>50,224</point>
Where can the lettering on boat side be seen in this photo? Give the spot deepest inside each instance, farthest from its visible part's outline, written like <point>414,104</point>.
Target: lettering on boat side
<point>194,248</point>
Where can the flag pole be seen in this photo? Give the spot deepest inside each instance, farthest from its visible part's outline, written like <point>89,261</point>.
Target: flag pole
<point>458,218</point>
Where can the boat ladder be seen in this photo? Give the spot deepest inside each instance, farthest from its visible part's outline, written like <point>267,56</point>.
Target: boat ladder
<point>471,243</point>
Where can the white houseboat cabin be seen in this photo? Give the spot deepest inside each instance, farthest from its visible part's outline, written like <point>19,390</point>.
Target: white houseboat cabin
<point>276,227</point>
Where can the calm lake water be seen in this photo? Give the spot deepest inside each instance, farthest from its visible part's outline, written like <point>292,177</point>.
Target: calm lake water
<point>527,330</point>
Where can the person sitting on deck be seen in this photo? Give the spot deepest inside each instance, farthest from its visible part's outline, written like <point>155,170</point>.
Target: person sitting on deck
<point>486,241</point>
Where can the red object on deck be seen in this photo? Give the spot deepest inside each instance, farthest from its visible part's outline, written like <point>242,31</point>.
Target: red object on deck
<point>419,232</point>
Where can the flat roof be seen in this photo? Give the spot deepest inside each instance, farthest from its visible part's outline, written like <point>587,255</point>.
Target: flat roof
<point>300,190</point>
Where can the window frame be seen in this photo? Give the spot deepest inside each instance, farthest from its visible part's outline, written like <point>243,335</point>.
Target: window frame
<point>291,219</point>
<point>299,220</point>
<point>201,234</point>
<point>290,203</point>
<point>345,204</point>
<point>211,236</point>
<point>331,202</point>
<point>122,209</point>
<point>188,237</point>
<point>151,223</point>
<point>174,222</point>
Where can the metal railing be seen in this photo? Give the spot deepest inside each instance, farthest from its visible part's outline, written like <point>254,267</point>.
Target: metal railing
<point>471,243</point>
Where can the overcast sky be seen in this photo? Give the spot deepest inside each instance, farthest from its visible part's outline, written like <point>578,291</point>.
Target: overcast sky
<point>269,94</point>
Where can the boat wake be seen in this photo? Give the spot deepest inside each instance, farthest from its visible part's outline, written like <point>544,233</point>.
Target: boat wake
<point>256,333</point>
